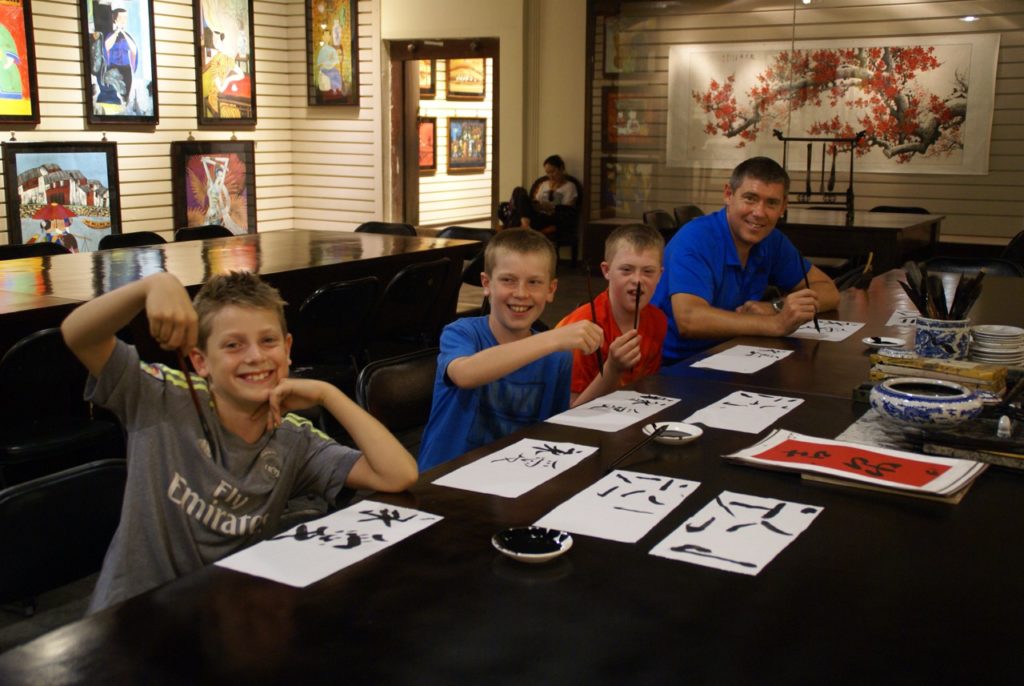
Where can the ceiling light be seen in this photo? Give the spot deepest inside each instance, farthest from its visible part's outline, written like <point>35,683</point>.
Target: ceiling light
<point>969,17</point>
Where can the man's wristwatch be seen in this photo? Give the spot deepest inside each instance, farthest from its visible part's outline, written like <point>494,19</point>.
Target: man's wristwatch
<point>778,304</point>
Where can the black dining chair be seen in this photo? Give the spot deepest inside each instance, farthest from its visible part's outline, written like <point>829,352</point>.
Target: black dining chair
<point>45,425</point>
<point>199,233</point>
<point>663,221</point>
<point>904,209</point>
<point>466,233</point>
<point>130,240</point>
<point>415,304</point>
<point>56,529</point>
<point>1014,250</point>
<point>398,392</point>
<point>16,251</point>
<point>684,213</point>
<point>389,228</point>
<point>995,266</point>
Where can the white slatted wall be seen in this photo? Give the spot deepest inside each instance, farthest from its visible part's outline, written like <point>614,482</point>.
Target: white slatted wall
<point>980,209</point>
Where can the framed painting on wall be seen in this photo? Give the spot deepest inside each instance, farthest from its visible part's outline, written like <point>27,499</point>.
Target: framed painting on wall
<point>427,129</point>
<point>119,53</point>
<point>467,144</point>
<point>225,62</point>
<point>466,78</point>
<point>333,53</point>
<point>428,79</point>
<point>214,182</point>
<point>64,193</point>
<point>628,120</point>
<point>625,187</point>
<point>19,98</point>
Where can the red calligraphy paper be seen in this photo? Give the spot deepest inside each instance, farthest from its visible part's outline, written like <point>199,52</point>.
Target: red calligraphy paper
<point>855,460</point>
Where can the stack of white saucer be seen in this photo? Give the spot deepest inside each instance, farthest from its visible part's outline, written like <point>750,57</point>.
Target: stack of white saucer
<point>997,344</point>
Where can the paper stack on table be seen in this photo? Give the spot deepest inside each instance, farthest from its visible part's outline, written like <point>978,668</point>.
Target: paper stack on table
<point>977,375</point>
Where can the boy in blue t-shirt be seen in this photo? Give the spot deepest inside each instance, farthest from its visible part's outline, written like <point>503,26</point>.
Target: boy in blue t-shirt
<point>495,374</point>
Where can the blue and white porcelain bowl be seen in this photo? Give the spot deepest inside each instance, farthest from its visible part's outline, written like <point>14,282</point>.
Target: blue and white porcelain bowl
<point>925,403</point>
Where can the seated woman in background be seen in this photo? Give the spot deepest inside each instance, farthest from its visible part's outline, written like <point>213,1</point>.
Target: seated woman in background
<point>539,212</point>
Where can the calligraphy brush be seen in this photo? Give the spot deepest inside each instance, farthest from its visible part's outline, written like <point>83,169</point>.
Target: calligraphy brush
<point>915,297</point>
<point>803,264</point>
<point>195,401</point>
<point>832,172</point>
<point>636,312</point>
<point>593,318</point>
<point>654,434</point>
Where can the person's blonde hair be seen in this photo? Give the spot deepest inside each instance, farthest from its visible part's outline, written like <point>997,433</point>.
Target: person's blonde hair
<point>522,241</point>
<point>640,237</point>
<point>242,289</point>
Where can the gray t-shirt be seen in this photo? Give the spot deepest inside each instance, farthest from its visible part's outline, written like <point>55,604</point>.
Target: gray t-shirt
<point>182,508</point>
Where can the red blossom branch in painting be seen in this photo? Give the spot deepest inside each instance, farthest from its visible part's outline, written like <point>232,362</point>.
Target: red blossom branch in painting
<point>897,115</point>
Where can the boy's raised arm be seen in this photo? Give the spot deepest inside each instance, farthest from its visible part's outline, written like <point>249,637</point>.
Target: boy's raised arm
<point>90,329</point>
<point>498,361</point>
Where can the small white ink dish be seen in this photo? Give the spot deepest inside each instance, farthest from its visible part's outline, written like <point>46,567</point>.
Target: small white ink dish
<point>882,342</point>
<point>675,433</point>
<point>532,544</point>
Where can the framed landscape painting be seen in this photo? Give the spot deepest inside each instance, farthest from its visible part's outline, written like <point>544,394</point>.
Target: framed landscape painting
<point>119,53</point>
<point>466,78</point>
<point>64,193</point>
<point>428,79</point>
<point>427,129</point>
<point>214,182</point>
<point>225,62</point>
<point>19,98</point>
<point>467,144</point>
<point>332,53</point>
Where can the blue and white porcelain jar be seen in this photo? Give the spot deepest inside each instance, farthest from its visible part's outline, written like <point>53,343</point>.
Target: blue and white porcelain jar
<point>925,403</point>
<point>948,339</point>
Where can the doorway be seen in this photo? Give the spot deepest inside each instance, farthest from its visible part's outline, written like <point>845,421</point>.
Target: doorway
<point>444,131</point>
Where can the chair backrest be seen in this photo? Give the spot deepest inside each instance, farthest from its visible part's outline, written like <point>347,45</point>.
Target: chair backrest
<point>41,378</point>
<point>16,251</point>
<point>905,209</point>
<point>198,233</point>
<point>130,240</point>
<point>466,233</point>
<point>410,308</point>
<point>995,266</point>
<point>1014,250</point>
<point>684,213</point>
<point>56,529</point>
<point>660,219</point>
<point>390,228</point>
<point>333,321</point>
<point>398,390</point>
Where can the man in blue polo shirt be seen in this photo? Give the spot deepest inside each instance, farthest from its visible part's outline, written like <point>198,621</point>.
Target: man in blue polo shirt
<point>718,266</point>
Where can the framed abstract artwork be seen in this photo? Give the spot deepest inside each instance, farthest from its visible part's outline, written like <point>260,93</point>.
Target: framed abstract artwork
<point>19,98</point>
<point>466,78</point>
<point>64,193</point>
<point>225,62</point>
<point>467,144</point>
<point>332,54</point>
<point>214,182</point>
<point>428,79</point>
<point>427,129</point>
<point>119,53</point>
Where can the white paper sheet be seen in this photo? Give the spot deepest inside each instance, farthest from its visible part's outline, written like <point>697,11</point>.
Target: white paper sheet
<point>615,411</point>
<point>744,411</point>
<point>903,318</point>
<point>623,506</point>
<point>313,550</point>
<point>745,359</point>
<point>831,330</point>
<point>737,532</point>
<point>518,468</point>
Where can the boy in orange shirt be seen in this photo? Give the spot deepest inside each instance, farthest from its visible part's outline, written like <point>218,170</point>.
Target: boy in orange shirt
<point>632,260</point>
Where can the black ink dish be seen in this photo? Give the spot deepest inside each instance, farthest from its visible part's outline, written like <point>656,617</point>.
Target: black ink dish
<point>532,543</point>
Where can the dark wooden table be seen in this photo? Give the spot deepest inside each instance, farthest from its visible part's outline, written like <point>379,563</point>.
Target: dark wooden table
<point>894,237</point>
<point>42,290</point>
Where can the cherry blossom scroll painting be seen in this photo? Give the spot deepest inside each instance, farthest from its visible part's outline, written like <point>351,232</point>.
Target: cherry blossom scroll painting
<point>925,103</point>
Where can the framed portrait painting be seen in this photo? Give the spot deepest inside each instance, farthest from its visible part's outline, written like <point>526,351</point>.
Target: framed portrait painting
<point>64,193</point>
<point>332,53</point>
<point>467,144</point>
<point>214,182</point>
<point>19,97</point>
<point>119,53</point>
<point>428,79</point>
<point>466,78</point>
<point>225,62</point>
<point>628,120</point>
<point>427,129</point>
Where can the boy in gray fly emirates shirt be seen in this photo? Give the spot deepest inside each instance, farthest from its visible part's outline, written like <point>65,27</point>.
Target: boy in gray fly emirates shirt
<point>190,498</point>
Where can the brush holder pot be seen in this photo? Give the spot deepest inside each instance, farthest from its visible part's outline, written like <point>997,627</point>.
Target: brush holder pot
<point>944,338</point>
<point>925,403</point>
